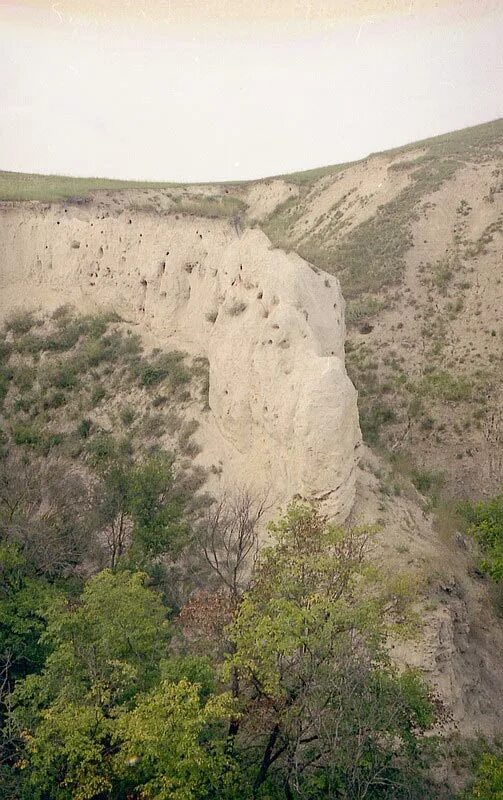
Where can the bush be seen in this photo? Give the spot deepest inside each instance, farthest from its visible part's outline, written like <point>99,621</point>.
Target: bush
<point>441,385</point>
<point>54,400</point>
<point>24,377</point>
<point>32,436</point>
<point>20,322</point>
<point>489,779</point>
<point>485,523</point>
<point>102,448</point>
<point>127,416</point>
<point>97,395</point>
<point>84,428</point>
<point>427,482</point>
<point>62,375</point>
<point>162,367</point>
<point>154,425</point>
<point>6,375</point>
<point>372,420</point>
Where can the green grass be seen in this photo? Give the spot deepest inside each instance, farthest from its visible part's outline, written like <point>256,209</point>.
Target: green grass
<point>52,188</point>
<point>211,206</point>
<point>443,386</point>
<point>471,142</point>
<point>57,188</point>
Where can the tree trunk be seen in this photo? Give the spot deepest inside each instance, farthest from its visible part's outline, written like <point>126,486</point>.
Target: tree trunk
<point>266,760</point>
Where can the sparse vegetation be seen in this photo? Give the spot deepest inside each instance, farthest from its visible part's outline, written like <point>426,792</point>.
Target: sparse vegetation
<point>54,392</point>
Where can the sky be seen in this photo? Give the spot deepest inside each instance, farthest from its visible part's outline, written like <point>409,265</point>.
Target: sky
<point>237,89</point>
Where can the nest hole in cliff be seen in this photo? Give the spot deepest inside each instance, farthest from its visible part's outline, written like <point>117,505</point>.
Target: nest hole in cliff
<point>211,316</point>
<point>236,308</point>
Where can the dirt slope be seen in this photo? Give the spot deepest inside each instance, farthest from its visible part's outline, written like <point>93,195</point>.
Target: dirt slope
<point>415,236</point>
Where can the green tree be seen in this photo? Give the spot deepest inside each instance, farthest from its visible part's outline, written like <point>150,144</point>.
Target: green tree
<point>167,749</point>
<point>141,508</point>
<point>489,780</point>
<point>324,714</point>
<point>105,648</point>
<point>22,596</point>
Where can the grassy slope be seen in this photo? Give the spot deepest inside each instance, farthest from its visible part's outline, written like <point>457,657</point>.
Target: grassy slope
<point>51,188</point>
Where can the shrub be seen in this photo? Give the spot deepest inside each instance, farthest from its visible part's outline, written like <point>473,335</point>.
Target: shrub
<point>33,436</point>
<point>6,375</point>
<point>5,351</point>
<point>372,419</point>
<point>441,385</point>
<point>488,781</point>
<point>54,400</point>
<point>97,395</point>
<point>162,367</point>
<point>427,482</point>
<point>102,448</point>
<point>154,425</point>
<point>358,310</point>
<point>485,523</point>
<point>24,377</point>
<point>20,322</point>
<point>127,416</point>
<point>62,375</point>
<point>159,400</point>
<point>84,428</point>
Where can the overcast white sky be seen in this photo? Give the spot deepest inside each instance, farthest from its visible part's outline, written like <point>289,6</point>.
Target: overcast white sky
<point>220,102</point>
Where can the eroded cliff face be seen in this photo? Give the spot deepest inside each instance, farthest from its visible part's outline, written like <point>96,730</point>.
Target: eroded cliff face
<point>283,413</point>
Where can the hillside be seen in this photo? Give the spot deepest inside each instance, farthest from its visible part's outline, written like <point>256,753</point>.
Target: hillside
<point>414,236</point>
<point>227,325</point>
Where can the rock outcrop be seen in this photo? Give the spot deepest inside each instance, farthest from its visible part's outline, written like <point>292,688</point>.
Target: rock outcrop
<point>283,411</point>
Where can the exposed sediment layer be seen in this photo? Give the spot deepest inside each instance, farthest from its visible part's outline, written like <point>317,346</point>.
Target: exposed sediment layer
<point>283,411</point>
